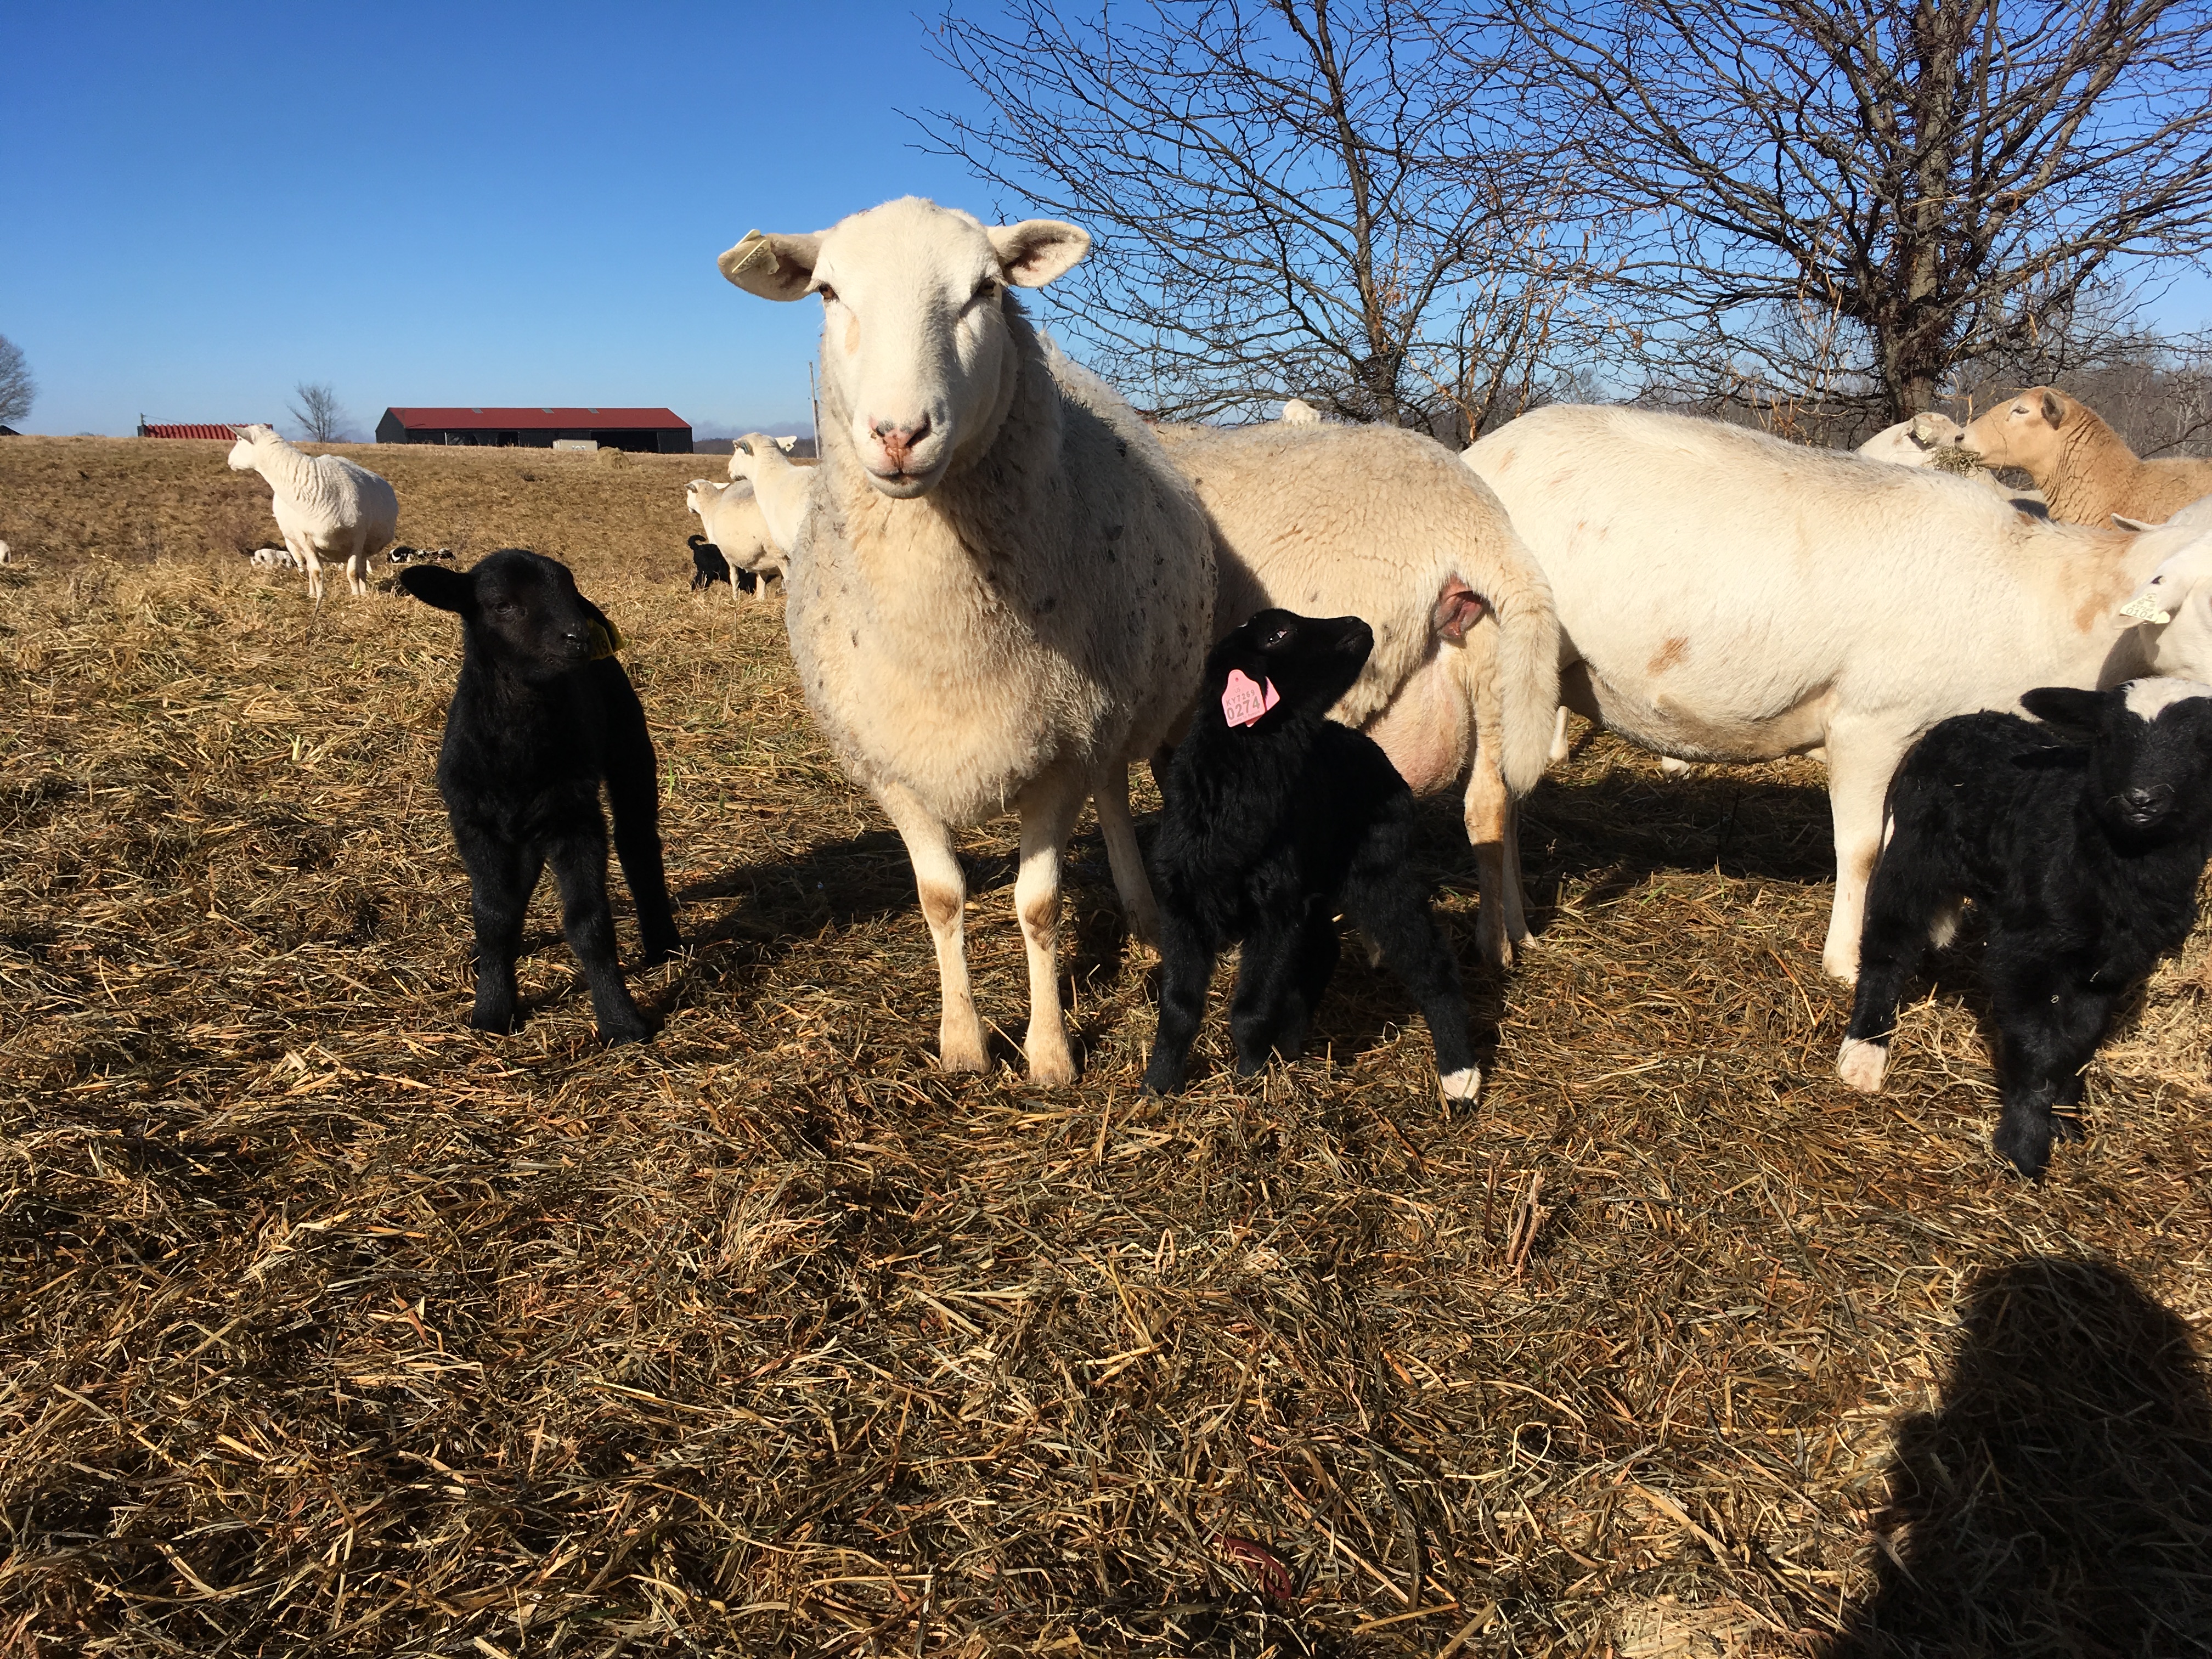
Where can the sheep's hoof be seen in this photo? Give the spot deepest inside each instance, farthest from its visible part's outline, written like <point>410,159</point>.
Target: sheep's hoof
<point>962,1053</point>
<point>1861,1064</point>
<point>1463,1084</point>
<point>1052,1071</point>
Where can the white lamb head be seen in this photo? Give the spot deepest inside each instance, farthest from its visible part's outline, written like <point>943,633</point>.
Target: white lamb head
<point>241,453</point>
<point>2174,608</point>
<point>920,363</point>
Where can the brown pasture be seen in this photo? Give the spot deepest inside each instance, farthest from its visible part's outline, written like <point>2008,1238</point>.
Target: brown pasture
<point>334,1327</point>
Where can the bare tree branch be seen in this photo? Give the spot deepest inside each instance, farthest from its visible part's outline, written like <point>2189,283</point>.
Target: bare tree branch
<point>320,419</point>
<point>18,390</point>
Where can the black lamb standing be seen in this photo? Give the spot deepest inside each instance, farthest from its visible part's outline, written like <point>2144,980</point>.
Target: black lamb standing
<point>1277,818</point>
<point>710,565</point>
<point>2080,842</point>
<point>542,715</point>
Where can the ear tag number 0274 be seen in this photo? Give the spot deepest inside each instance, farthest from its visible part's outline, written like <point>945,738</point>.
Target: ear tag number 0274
<point>1242,702</point>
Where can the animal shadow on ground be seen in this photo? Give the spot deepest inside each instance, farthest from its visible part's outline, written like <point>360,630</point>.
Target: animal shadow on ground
<point>2059,1500</point>
<point>1618,828</point>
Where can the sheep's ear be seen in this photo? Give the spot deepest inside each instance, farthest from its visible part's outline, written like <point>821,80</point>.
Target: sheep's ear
<point>773,267</point>
<point>2054,408</point>
<point>2149,602</point>
<point>2072,712</point>
<point>2126,523</point>
<point>448,589</point>
<point>1035,251</point>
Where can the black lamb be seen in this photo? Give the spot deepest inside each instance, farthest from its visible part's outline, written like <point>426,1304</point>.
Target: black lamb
<point>2080,842</point>
<point>1276,818</point>
<point>544,714</point>
<point>709,566</point>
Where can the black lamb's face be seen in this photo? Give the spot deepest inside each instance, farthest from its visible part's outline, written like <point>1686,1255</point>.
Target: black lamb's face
<point>1307,662</point>
<point>2151,752</point>
<point>522,608</point>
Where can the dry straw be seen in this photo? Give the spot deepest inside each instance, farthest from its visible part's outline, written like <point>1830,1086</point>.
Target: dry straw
<point>336,1329</point>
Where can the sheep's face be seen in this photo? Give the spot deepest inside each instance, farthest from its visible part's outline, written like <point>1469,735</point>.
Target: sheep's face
<point>241,453</point>
<point>520,609</point>
<point>2151,743</point>
<point>2023,432</point>
<point>2173,610</point>
<point>1298,664</point>
<point>915,341</point>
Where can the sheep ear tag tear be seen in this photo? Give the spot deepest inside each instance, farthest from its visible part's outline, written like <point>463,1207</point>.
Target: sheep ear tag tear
<point>606,639</point>
<point>2146,609</point>
<point>1242,702</point>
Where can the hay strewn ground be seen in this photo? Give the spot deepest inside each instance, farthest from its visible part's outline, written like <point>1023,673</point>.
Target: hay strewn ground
<point>334,1327</point>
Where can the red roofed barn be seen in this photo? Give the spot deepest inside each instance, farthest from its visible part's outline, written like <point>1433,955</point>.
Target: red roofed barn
<point>223,430</point>
<point>648,431</point>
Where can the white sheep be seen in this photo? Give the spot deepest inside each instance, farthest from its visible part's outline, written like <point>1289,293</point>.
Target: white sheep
<point>328,508</point>
<point>1002,593</point>
<point>6,556</point>
<point>779,486</point>
<point>732,521</point>
<point>1298,412</point>
<point>1386,524</point>
<point>1724,595</point>
<point>1915,442</point>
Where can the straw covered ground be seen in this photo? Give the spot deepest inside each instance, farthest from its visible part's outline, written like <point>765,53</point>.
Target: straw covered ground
<point>334,1327</point>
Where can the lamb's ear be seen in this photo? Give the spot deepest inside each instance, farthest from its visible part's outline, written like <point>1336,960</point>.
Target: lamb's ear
<point>2070,711</point>
<point>1035,251</point>
<point>433,584</point>
<point>773,267</point>
<point>2054,408</point>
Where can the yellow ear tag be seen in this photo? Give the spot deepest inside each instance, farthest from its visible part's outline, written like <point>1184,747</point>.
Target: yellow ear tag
<point>606,639</point>
<point>2145,609</point>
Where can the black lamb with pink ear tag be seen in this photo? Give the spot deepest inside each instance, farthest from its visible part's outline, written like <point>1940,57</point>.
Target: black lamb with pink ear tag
<point>1277,818</point>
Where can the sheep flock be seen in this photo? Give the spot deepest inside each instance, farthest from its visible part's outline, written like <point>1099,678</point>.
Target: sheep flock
<point>1753,1206</point>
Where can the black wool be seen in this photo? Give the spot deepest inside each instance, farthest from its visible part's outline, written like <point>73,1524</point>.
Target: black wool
<point>542,716</point>
<point>2080,842</point>
<point>709,566</point>
<point>1271,827</point>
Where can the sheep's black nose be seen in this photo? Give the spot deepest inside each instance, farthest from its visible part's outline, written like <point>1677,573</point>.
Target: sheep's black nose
<point>2142,802</point>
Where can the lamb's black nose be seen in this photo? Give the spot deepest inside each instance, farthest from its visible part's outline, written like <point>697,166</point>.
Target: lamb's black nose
<point>2144,802</point>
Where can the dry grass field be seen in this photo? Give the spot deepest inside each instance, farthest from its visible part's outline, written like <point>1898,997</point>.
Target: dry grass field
<point>333,1327</point>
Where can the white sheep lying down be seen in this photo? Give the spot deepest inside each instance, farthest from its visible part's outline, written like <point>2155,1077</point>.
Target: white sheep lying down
<point>330,510</point>
<point>1724,595</point>
<point>1385,525</point>
<point>732,521</point>
<point>1002,590</point>
<point>1915,442</point>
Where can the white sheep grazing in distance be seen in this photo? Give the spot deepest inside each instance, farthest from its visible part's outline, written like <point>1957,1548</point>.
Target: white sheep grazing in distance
<point>1387,525</point>
<point>732,521</point>
<point>1724,595</point>
<point>330,510</point>
<point>779,486</point>
<point>1002,593</point>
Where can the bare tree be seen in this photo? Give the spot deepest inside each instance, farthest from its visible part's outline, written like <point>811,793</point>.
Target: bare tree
<point>321,420</point>
<point>18,390</point>
<point>1844,202</point>
<point>1291,198</point>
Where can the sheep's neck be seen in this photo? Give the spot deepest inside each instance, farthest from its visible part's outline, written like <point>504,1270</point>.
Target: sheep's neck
<point>285,468</point>
<point>2091,472</point>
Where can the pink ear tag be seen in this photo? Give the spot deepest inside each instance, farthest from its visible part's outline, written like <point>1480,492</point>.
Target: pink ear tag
<point>1242,702</point>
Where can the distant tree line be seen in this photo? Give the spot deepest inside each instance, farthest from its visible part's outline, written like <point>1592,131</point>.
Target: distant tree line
<point>1819,215</point>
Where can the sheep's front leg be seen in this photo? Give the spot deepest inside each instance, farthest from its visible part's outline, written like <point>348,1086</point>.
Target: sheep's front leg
<point>502,874</point>
<point>304,551</point>
<point>1859,768</point>
<point>580,865</point>
<point>1502,923</point>
<point>943,893</point>
<point>1130,881</point>
<point>1049,808</point>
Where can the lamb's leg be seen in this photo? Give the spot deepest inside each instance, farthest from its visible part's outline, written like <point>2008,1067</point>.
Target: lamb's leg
<point>1319,947</point>
<point>1186,973</point>
<point>1130,881</point>
<point>634,790</point>
<point>2049,1028</point>
<point>1859,768</point>
<point>1264,1004</point>
<point>1388,902</point>
<point>502,874</point>
<point>944,892</point>
<point>1049,807</point>
<point>580,865</point>
<point>1906,898</point>
<point>1502,922</point>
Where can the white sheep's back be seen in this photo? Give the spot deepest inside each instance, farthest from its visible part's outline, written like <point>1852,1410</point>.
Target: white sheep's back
<point>1746,585</point>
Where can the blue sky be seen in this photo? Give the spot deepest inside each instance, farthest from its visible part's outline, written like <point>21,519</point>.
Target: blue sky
<point>201,206</point>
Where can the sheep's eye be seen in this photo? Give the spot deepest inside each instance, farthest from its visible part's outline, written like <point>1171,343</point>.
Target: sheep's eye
<point>829,294</point>
<point>985,287</point>
<point>1278,637</point>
